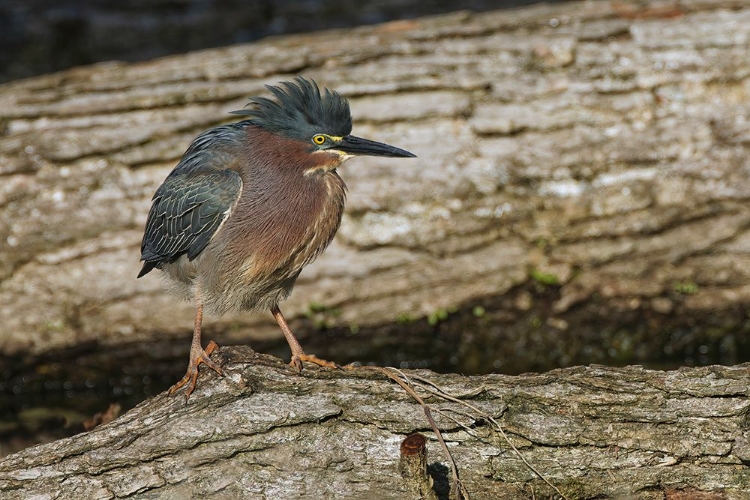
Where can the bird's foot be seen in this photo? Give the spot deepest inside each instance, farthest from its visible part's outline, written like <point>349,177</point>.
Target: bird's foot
<point>197,356</point>
<point>297,360</point>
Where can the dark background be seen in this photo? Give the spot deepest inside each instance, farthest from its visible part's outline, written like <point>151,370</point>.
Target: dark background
<point>43,36</point>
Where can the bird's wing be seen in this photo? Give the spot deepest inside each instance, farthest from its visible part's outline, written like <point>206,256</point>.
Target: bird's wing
<point>194,200</point>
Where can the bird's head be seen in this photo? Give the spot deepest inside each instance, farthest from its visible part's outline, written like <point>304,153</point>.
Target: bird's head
<point>322,120</point>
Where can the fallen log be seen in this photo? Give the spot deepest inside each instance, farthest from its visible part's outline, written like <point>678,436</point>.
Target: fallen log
<point>265,432</point>
<point>597,150</point>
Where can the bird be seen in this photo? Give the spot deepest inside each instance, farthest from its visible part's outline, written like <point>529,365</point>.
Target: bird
<point>250,204</point>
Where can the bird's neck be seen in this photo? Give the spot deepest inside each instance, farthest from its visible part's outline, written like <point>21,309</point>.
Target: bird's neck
<point>282,158</point>
<point>282,207</point>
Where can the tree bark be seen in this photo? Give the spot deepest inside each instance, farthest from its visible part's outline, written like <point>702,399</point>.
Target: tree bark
<point>600,148</point>
<point>264,432</point>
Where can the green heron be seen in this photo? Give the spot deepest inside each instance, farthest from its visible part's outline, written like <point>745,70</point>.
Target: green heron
<point>252,203</point>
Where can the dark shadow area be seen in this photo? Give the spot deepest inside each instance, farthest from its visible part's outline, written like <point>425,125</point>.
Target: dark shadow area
<point>441,483</point>
<point>52,396</point>
<point>43,36</point>
<point>521,332</point>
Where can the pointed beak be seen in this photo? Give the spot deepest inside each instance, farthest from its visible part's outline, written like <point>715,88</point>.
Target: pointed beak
<point>357,146</point>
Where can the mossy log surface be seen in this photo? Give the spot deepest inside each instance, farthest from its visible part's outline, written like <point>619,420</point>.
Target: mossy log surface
<point>265,432</point>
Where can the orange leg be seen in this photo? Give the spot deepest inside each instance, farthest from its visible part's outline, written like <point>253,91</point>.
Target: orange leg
<point>197,356</point>
<point>298,354</point>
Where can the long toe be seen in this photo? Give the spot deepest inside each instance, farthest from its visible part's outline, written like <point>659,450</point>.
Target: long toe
<point>209,363</point>
<point>191,386</point>
<point>312,358</point>
<point>178,385</point>
<point>191,375</point>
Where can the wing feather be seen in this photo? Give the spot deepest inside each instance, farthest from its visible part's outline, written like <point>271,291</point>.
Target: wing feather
<point>194,200</point>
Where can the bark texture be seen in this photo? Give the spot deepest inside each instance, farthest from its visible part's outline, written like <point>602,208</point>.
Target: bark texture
<point>264,432</point>
<point>599,146</point>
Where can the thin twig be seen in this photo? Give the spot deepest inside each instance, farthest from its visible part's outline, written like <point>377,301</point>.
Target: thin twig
<point>401,379</point>
<point>459,488</point>
<point>439,391</point>
<point>469,430</point>
<point>405,382</point>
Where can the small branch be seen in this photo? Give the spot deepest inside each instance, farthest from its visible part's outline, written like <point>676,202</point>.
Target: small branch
<point>458,492</point>
<point>442,393</point>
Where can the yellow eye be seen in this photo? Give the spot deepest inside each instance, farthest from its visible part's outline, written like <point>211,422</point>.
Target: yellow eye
<point>319,139</point>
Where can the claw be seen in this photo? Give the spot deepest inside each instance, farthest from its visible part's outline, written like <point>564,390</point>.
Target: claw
<point>296,364</point>
<point>192,372</point>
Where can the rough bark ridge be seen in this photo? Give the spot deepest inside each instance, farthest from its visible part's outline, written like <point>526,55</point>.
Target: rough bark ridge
<point>602,146</point>
<point>264,432</point>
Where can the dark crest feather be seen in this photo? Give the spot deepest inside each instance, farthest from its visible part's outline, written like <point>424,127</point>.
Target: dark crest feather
<point>300,111</point>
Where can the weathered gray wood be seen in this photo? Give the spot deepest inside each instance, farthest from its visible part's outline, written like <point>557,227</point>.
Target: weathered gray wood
<point>601,145</point>
<point>264,432</point>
